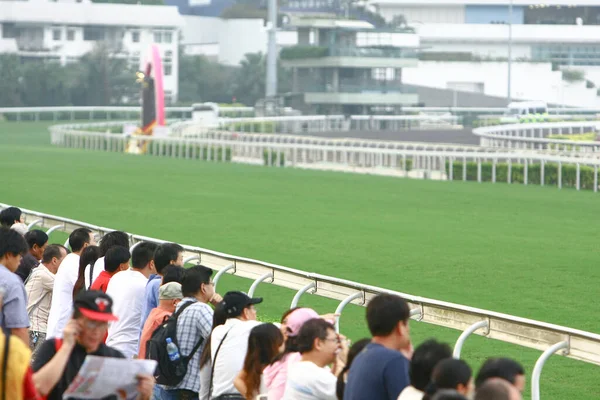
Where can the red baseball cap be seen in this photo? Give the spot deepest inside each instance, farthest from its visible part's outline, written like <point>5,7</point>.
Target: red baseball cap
<point>95,305</point>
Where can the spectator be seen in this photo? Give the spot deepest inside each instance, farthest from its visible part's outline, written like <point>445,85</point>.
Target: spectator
<point>423,361</point>
<point>172,273</point>
<point>452,374</point>
<point>10,216</point>
<point>193,327</point>
<point>231,342</point>
<point>14,312</point>
<point>64,281</point>
<point>264,343</point>
<point>36,241</point>
<point>380,371</point>
<point>504,368</point>
<point>343,376</point>
<point>57,364</point>
<point>320,346</point>
<point>166,254</point>
<point>497,389</point>
<point>39,294</point>
<point>116,260</point>
<point>219,318</point>
<point>127,288</point>
<point>275,374</point>
<point>169,295</point>
<point>111,239</point>
<point>18,381</point>
<point>88,257</point>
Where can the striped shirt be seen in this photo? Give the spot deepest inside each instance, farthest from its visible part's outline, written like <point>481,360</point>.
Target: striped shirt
<point>39,294</point>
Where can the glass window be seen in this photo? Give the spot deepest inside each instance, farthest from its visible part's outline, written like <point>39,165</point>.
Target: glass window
<point>168,69</point>
<point>135,37</point>
<point>56,34</point>
<point>92,33</point>
<point>168,37</point>
<point>71,35</point>
<point>157,37</point>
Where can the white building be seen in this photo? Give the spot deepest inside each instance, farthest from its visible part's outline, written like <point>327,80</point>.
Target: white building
<point>65,31</point>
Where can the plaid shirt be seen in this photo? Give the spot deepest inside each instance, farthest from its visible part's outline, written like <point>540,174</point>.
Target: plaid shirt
<point>193,323</point>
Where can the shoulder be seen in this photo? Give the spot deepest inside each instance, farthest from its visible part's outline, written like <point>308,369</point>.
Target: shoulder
<point>108,351</point>
<point>9,278</point>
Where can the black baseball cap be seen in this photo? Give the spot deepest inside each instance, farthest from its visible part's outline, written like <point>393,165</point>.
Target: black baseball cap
<point>95,305</point>
<point>235,302</point>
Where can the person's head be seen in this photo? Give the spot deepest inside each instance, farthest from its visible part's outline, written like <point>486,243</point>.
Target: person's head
<point>284,319</point>
<point>196,283</point>
<point>352,353</point>
<point>37,241</point>
<point>387,318</point>
<point>504,368</point>
<point>424,360</point>
<point>53,256</point>
<point>448,394</point>
<point>173,273</point>
<point>319,341</point>
<point>239,305</point>
<point>264,343</point>
<point>88,256</point>
<point>297,318</point>
<point>111,239</point>
<point>167,253</point>
<point>142,256</point>
<point>80,238</point>
<point>93,311</point>
<point>169,295</point>
<point>116,259</point>
<point>12,248</point>
<point>497,389</point>
<point>10,216</point>
<point>454,374</point>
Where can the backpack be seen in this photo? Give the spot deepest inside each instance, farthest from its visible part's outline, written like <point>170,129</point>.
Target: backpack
<point>169,373</point>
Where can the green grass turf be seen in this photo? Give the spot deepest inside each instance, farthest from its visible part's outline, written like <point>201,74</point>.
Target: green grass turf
<point>528,251</point>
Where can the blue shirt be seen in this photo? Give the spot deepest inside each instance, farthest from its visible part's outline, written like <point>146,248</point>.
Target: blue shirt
<point>150,297</point>
<point>377,373</point>
<point>13,313</point>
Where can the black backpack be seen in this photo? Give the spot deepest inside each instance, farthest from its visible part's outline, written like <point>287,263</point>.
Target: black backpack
<point>169,373</point>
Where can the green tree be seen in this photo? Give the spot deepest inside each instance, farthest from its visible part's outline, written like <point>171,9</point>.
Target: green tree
<point>203,80</point>
<point>249,84</point>
<point>44,84</point>
<point>10,73</point>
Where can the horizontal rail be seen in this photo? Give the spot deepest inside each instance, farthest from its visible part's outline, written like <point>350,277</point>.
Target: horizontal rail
<point>584,346</point>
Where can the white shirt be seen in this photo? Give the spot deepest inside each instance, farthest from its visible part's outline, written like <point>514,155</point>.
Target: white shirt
<point>61,308</point>
<point>98,268</point>
<point>308,381</point>
<point>127,289</point>
<point>230,360</point>
<point>411,393</point>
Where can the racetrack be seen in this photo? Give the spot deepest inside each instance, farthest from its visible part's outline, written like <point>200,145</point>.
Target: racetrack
<point>455,136</point>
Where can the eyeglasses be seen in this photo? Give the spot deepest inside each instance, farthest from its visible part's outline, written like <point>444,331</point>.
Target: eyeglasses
<point>335,339</point>
<point>89,324</point>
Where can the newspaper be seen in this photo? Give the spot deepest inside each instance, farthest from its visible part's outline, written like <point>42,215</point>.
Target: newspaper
<point>105,376</point>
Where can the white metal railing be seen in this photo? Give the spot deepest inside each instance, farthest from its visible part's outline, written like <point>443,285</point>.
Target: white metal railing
<point>534,136</point>
<point>549,338</point>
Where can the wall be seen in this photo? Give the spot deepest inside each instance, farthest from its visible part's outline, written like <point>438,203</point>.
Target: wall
<point>493,14</point>
<point>495,50</point>
<point>448,14</point>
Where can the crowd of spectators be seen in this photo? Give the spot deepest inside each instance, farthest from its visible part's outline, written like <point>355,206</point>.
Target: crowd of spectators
<point>59,305</point>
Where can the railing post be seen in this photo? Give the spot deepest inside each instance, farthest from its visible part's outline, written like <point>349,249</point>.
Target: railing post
<point>221,272</point>
<point>52,229</point>
<point>268,275</point>
<point>466,333</point>
<point>342,305</point>
<point>595,178</point>
<point>539,365</point>
<point>525,171</point>
<point>578,177</point>
<point>34,223</point>
<point>542,172</point>
<point>559,175</point>
<point>191,258</point>
<point>300,292</point>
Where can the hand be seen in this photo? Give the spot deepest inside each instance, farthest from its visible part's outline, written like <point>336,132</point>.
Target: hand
<point>216,299</point>
<point>145,386</point>
<point>71,333</point>
<point>344,344</point>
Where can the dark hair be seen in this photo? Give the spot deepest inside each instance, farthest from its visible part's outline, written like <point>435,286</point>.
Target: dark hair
<point>111,239</point>
<point>142,254</point>
<point>352,353</point>
<point>193,278</point>
<point>114,257</point>
<point>219,318</point>
<point>291,346</point>
<point>384,312</point>
<point>173,273</point>
<point>36,237</point>
<point>288,312</point>
<point>426,356</point>
<point>493,390</point>
<point>89,256</point>
<point>504,368</point>
<point>9,215</point>
<point>11,242</point>
<point>448,374</point>
<point>165,254</point>
<point>78,238</point>
<point>312,329</point>
<point>448,394</point>
<point>51,251</point>
<point>263,345</point>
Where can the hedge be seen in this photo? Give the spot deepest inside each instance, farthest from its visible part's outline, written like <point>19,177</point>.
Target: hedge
<point>195,151</point>
<point>569,173</point>
<point>273,162</point>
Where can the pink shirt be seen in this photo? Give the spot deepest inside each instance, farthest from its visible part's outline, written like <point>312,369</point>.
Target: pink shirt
<point>275,375</point>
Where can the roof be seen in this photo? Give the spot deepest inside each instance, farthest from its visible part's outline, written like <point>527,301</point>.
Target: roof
<point>90,14</point>
<point>516,3</point>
